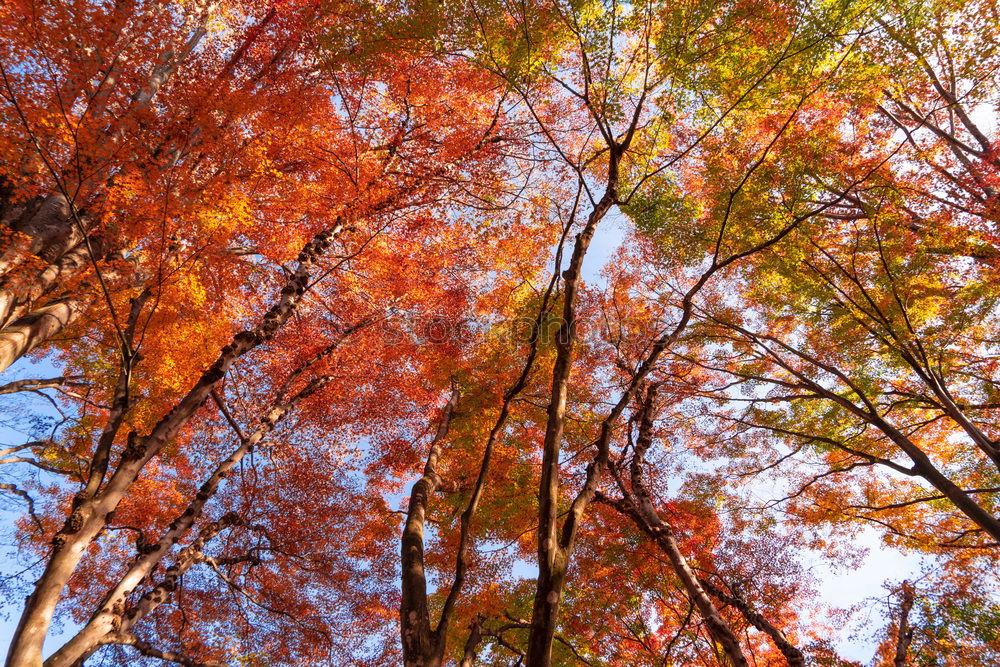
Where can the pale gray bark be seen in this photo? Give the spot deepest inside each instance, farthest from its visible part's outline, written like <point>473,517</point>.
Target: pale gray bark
<point>51,231</point>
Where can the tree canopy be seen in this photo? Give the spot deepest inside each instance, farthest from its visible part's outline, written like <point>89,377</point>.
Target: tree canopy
<point>310,360</point>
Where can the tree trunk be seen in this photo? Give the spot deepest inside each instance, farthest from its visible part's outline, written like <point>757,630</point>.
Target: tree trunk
<point>645,515</point>
<point>16,300</point>
<point>905,634</point>
<point>422,647</point>
<point>112,616</point>
<point>792,654</point>
<point>553,558</point>
<point>37,327</point>
<point>47,227</point>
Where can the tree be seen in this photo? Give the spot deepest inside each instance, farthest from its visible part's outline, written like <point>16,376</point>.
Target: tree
<point>881,357</point>
<point>337,382</point>
<point>390,159</point>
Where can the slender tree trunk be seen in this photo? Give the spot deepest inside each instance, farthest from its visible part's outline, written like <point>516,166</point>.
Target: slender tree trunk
<point>111,616</point>
<point>792,654</point>
<point>643,512</point>
<point>717,626</point>
<point>553,557</point>
<point>422,646</point>
<point>471,652</point>
<point>905,634</point>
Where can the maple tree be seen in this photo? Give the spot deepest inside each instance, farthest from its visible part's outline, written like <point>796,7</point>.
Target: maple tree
<point>880,357</point>
<point>337,382</point>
